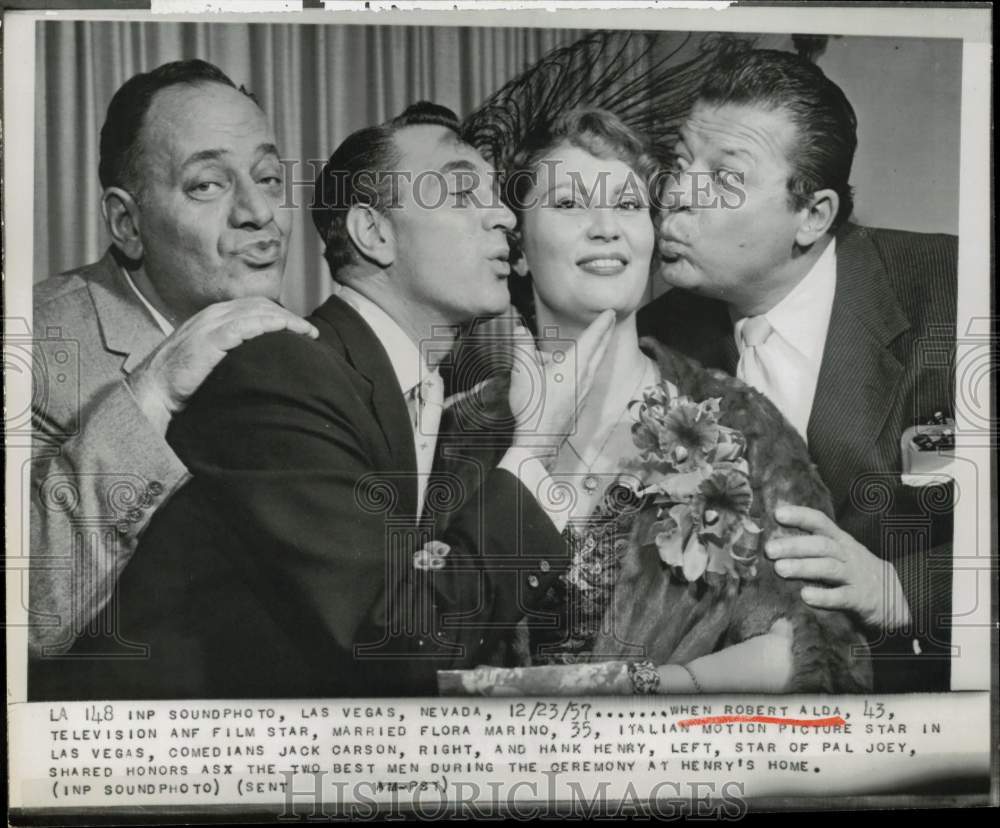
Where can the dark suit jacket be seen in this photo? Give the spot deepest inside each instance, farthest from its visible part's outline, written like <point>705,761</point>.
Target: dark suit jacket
<point>285,567</point>
<point>888,364</point>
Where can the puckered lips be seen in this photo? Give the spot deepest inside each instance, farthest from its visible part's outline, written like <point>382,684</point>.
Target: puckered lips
<point>670,247</point>
<point>605,263</point>
<point>669,244</point>
<point>261,252</point>
<point>500,259</point>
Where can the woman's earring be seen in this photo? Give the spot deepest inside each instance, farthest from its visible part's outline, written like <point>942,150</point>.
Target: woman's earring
<point>520,266</point>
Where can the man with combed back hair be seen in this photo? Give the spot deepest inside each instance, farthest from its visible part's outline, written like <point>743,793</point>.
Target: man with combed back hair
<point>836,323</point>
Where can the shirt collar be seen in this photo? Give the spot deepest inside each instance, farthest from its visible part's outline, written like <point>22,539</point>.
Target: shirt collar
<point>802,317</point>
<point>403,353</point>
<point>158,318</point>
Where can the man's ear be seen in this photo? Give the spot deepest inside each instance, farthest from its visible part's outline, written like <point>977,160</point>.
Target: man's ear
<point>372,234</point>
<point>121,215</point>
<point>818,218</point>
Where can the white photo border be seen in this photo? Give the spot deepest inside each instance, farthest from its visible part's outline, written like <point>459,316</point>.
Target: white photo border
<point>975,324</point>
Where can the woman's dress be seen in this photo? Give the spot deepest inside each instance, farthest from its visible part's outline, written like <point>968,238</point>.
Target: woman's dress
<point>619,601</point>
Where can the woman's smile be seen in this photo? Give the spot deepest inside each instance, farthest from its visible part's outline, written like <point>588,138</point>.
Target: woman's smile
<point>604,264</point>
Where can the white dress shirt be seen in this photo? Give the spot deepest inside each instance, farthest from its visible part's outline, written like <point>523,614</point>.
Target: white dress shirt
<point>158,318</point>
<point>422,386</point>
<point>786,366</point>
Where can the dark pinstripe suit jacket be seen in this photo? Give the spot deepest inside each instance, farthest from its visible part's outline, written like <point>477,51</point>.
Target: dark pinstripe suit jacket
<point>888,364</point>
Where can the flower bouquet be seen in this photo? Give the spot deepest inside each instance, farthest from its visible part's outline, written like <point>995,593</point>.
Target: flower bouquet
<point>698,483</point>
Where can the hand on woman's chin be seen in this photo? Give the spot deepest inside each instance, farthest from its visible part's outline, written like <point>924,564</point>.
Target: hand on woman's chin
<point>582,317</point>
<point>620,312</point>
<point>582,314</point>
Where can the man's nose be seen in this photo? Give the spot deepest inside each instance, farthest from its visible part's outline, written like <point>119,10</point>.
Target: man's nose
<point>251,205</point>
<point>678,191</point>
<point>500,217</point>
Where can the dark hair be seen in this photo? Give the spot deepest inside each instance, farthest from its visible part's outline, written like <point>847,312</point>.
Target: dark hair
<point>352,176</point>
<point>121,148</point>
<point>823,117</point>
<point>596,131</point>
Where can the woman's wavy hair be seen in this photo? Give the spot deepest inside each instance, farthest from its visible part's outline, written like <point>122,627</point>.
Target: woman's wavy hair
<point>596,131</point>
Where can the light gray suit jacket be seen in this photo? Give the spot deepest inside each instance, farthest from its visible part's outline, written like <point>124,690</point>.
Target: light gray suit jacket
<point>99,467</point>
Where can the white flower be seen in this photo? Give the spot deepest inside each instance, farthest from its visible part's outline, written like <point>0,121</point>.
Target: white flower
<point>431,556</point>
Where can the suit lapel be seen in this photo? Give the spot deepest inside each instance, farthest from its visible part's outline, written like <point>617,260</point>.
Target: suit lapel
<point>126,326</point>
<point>367,355</point>
<point>859,375</point>
<point>729,354</point>
<point>714,327</point>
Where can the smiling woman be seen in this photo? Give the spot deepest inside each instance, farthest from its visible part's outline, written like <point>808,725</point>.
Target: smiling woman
<point>572,174</point>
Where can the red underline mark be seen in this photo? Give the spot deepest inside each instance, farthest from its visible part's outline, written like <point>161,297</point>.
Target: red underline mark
<point>831,721</point>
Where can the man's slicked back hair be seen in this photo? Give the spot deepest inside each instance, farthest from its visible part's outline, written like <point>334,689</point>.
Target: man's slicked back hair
<point>355,175</point>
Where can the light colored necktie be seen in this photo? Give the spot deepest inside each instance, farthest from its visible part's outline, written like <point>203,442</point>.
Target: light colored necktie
<point>770,366</point>
<point>425,402</point>
<point>753,367</point>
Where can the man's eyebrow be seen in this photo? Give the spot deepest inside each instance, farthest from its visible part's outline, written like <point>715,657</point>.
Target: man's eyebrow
<point>217,154</point>
<point>737,152</point>
<point>204,155</point>
<point>458,164</point>
<point>684,142</point>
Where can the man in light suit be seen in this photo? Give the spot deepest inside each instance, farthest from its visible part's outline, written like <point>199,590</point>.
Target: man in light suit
<point>302,559</point>
<point>842,326</point>
<point>192,185</point>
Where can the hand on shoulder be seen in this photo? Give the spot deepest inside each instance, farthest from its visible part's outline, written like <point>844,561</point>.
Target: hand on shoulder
<point>169,376</point>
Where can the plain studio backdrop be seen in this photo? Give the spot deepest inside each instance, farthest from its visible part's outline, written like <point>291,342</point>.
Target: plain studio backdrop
<point>319,83</point>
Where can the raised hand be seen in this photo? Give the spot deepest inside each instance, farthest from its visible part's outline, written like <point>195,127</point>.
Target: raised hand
<point>545,411</point>
<point>180,364</point>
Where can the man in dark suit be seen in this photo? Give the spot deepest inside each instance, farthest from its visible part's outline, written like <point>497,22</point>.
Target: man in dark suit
<point>850,330</point>
<point>302,560</point>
